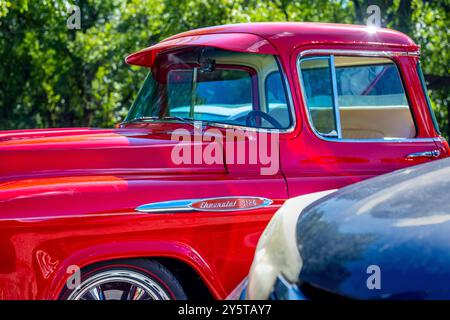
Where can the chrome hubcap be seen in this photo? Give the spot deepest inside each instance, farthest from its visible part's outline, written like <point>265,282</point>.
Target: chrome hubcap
<point>119,285</point>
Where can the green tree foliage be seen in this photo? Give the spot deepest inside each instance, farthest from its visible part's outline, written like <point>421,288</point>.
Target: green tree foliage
<point>51,76</point>
<point>431,21</point>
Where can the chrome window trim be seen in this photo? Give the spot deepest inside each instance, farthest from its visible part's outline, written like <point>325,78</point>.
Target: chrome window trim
<point>396,140</point>
<point>337,115</point>
<point>363,53</point>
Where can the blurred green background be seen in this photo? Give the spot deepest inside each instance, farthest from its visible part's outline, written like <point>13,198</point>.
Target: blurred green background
<point>51,76</point>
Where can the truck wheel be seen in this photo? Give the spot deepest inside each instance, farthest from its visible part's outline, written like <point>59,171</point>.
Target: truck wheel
<point>138,279</point>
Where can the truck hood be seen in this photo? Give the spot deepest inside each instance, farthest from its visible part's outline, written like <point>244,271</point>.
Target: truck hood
<point>47,153</point>
<point>392,231</point>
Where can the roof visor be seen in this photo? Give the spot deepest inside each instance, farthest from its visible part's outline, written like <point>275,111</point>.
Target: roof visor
<point>239,42</point>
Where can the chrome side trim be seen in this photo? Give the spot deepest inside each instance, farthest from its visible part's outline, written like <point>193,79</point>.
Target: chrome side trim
<point>167,206</point>
<point>189,205</point>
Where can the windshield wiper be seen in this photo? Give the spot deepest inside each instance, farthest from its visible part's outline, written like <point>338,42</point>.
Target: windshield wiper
<point>185,120</point>
<point>152,118</point>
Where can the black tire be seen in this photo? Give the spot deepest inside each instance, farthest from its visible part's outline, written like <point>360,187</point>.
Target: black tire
<point>139,276</point>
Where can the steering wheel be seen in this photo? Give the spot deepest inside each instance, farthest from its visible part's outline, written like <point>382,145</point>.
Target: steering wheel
<point>252,115</point>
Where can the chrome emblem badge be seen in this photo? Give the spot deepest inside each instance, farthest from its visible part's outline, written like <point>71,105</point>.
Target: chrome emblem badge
<point>220,204</point>
<point>230,204</point>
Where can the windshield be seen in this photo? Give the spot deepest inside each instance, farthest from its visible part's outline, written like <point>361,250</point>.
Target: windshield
<point>215,86</point>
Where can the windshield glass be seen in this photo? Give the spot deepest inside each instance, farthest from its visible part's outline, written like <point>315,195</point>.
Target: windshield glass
<point>215,86</point>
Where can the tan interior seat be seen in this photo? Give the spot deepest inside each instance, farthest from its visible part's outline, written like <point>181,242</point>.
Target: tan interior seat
<point>377,122</point>
<point>368,122</point>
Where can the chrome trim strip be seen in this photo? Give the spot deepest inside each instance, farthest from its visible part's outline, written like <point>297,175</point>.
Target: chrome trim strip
<point>368,53</point>
<point>167,206</point>
<point>185,205</point>
<point>82,216</point>
<point>337,115</point>
<point>395,140</point>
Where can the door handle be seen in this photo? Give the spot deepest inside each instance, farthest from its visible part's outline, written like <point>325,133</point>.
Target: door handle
<point>425,154</point>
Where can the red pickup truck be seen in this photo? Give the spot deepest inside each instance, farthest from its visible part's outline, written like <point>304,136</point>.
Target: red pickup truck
<point>170,204</point>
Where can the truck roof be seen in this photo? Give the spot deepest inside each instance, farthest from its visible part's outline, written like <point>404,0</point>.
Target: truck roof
<point>302,33</point>
<point>278,37</point>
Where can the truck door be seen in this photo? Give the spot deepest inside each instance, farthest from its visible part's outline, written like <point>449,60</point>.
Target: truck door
<point>361,118</point>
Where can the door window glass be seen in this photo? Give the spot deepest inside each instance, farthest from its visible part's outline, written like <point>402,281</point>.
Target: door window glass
<point>317,88</point>
<point>371,100</point>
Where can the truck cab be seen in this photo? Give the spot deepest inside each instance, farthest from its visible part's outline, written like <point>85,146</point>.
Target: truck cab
<point>348,102</point>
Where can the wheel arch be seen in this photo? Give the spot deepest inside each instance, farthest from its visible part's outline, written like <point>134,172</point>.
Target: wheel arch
<point>172,255</point>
